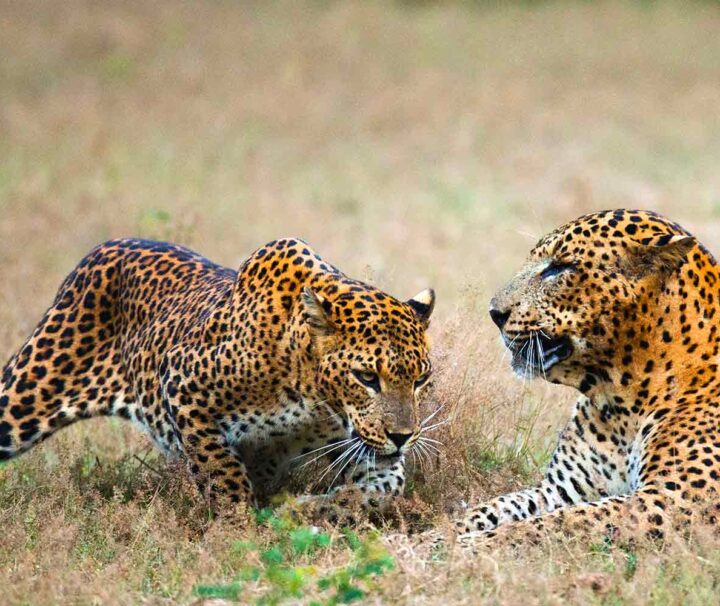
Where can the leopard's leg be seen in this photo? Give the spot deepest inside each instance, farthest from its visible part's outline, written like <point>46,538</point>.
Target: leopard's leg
<point>582,469</point>
<point>215,466</point>
<point>217,470</point>
<point>369,484</point>
<point>642,514</point>
<point>377,478</point>
<point>514,506</point>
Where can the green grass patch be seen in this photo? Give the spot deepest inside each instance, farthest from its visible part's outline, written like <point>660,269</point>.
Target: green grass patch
<point>287,567</point>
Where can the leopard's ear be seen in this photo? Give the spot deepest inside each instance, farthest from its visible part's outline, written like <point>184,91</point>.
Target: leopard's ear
<point>660,255</point>
<point>423,304</point>
<point>317,313</point>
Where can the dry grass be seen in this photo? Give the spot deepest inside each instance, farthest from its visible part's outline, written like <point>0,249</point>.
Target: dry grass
<point>412,144</point>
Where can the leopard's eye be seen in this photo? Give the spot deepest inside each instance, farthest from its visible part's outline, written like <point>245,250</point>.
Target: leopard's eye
<point>555,268</point>
<point>368,378</point>
<point>422,380</point>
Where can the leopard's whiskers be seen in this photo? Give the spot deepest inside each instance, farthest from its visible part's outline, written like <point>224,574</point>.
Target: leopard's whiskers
<point>326,447</point>
<point>434,426</point>
<point>430,417</point>
<point>508,346</point>
<point>416,458</point>
<point>345,455</point>
<point>542,355</point>
<point>431,449</point>
<point>424,456</point>
<point>353,451</point>
<point>360,456</point>
<point>320,456</point>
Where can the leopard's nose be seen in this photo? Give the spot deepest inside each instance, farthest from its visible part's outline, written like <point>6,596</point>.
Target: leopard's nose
<point>499,317</point>
<point>399,438</point>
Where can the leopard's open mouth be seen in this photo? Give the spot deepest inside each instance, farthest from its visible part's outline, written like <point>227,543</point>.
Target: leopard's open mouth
<point>537,353</point>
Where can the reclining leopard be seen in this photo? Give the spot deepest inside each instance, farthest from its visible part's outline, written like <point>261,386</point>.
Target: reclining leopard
<point>624,306</point>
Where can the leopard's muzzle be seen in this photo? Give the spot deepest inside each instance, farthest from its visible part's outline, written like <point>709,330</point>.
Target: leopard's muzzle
<point>535,353</point>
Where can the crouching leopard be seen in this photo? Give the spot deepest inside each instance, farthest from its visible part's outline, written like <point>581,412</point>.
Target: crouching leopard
<point>623,306</point>
<point>238,373</point>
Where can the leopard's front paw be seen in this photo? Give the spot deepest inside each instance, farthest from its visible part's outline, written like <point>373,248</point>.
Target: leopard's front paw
<point>332,509</point>
<point>473,542</point>
<point>438,543</point>
<point>477,520</point>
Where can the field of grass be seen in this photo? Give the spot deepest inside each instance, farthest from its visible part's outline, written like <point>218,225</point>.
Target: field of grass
<point>412,144</point>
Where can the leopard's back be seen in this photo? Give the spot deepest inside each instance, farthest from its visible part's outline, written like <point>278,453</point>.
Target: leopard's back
<point>99,348</point>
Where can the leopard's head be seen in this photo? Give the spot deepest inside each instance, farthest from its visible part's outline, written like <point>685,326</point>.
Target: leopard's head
<point>372,365</point>
<point>592,297</point>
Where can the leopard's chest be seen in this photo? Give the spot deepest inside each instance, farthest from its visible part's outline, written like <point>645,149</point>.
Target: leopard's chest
<point>272,441</point>
<point>607,450</point>
<point>280,422</point>
<point>610,474</point>
<point>150,419</point>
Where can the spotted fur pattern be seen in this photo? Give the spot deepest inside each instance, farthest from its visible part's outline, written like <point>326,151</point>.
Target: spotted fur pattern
<point>236,372</point>
<point>623,306</point>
